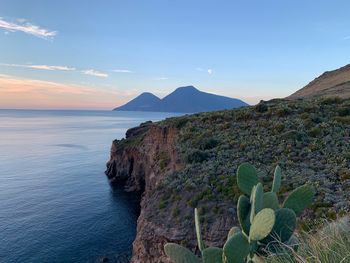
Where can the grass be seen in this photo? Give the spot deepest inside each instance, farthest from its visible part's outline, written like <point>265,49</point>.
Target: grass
<point>331,244</point>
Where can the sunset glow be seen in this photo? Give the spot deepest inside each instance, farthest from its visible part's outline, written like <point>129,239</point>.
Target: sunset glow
<point>72,55</point>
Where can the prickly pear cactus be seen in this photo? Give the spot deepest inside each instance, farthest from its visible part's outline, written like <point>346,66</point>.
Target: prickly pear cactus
<point>247,178</point>
<point>237,248</point>
<point>299,199</point>
<point>243,213</point>
<point>262,224</point>
<point>212,255</point>
<point>265,225</point>
<point>180,254</point>
<point>277,178</point>
<point>198,230</point>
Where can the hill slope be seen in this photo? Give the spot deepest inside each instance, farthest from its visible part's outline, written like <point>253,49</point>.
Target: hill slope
<point>191,161</point>
<point>334,83</point>
<point>184,99</point>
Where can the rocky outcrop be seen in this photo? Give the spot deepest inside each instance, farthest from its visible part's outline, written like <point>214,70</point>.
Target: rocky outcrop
<point>135,161</point>
<point>135,164</point>
<point>140,163</point>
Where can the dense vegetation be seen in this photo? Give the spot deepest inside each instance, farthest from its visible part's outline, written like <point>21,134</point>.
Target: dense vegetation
<point>309,139</point>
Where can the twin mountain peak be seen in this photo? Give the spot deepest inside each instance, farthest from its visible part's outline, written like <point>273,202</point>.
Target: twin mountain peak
<point>335,83</point>
<point>184,99</point>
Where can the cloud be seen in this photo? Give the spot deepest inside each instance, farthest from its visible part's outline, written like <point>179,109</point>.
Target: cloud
<point>346,38</point>
<point>122,71</point>
<point>90,72</point>
<point>209,71</point>
<point>27,28</point>
<point>41,67</point>
<point>162,78</point>
<point>46,67</point>
<point>95,73</point>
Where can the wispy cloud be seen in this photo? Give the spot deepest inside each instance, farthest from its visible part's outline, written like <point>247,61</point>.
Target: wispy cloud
<point>122,71</point>
<point>346,38</point>
<point>90,72</point>
<point>28,28</point>
<point>209,71</point>
<point>41,67</point>
<point>162,78</point>
<point>95,73</point>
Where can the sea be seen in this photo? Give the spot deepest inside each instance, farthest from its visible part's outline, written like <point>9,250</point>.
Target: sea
<point>56,204</point>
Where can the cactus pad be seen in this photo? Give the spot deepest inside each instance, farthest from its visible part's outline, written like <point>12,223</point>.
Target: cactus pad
<point>179,254</point>
<point>243,213</point>
<point>256,200</point>
<point>236,249</point>
<point>270,200</point>
<point>299,199</point>
<point>212,255</point>
<point>284,226</point>
<point>233,231</point>
<point>262,224</point>
<point>198,230</point>
<point>246,178</point>
<point>276,184</point>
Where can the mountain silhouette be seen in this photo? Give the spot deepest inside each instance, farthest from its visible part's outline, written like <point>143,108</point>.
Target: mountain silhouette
<point>184,99</point>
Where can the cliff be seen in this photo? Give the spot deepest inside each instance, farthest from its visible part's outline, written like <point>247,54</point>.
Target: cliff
<point>141,166</point>
<point>191,161</point>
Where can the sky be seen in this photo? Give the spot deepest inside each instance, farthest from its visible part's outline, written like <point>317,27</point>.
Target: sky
<point>100,54</point>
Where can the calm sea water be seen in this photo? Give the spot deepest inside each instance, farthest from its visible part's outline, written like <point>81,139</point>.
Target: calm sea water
<point>55,202</point>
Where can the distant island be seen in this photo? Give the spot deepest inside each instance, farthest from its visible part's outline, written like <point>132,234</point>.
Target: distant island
<point>184,99</point>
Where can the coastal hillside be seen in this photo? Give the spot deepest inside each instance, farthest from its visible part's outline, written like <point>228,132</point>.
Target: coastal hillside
<point>329,84</point>
<point>184,99</point>
<point>191,161</point>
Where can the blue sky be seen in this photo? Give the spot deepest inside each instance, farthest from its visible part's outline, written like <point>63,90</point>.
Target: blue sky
<point>99,54</point>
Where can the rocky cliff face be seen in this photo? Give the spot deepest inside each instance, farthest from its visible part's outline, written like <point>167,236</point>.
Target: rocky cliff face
<point>135,165</point>
<point>140,163</point>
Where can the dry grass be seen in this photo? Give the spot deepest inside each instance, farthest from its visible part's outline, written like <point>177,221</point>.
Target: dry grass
<point>330,245</point>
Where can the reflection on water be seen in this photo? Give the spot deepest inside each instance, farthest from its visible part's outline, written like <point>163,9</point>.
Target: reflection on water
<point>56,204</point>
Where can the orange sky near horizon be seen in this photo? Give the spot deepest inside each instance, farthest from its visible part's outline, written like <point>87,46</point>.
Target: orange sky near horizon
<point>25,93</point>
<point>39,94</point>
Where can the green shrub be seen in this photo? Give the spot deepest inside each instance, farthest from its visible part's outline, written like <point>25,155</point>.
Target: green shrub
<point>343,120</point>
<point>343,111</point>
<point>175,212</point>
<point>261,107</point>
<point>197,156</point>
<point>344,174</point>
<point>331,100</point>
<point>279,127</point>
<point>315,132</point>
